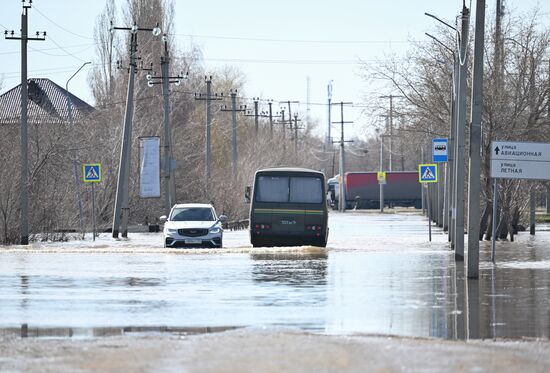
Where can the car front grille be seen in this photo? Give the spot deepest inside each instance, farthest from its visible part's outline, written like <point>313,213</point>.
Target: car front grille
<point>192,232</point>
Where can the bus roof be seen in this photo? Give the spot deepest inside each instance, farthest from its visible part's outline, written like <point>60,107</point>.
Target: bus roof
<point>289,169</point>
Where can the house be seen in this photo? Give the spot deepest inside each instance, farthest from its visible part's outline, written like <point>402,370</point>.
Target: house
<point>48,103</point>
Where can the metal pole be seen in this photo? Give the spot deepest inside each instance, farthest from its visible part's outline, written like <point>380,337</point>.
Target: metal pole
<point>452,154</point>
<point>380,185</point>
<point>494,227</point>
<point>123,167</point>
<point>533,207</point>
<point>429,215</point>
<point>256,116</point>
<point>460,133</point>
<point>168,191</point>
<point>270,119</point>
<point>234,132</point>
<point>296,133</point>
<point>423,194</point>
<point>75,167</point>
<point>391,133</point>
<point>93,212</point>
<point>342,197</point>
<point>475,144</point>
<point>548,198</point>
<point>284,129</point>
<point>24,140</point>
<point>329,93</point>
<point>208,128</point>
<point>440,187</point>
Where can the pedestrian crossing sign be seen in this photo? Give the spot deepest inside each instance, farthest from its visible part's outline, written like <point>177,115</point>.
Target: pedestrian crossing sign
<point>427,173</point>
<point>91,172</point>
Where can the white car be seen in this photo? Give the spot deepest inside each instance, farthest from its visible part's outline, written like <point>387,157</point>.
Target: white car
<point>193,225</point>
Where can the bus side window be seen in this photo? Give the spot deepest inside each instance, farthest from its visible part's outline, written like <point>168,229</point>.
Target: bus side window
<point>247,194</point>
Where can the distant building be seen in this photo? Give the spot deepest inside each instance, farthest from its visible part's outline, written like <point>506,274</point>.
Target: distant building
<point>47,104</point>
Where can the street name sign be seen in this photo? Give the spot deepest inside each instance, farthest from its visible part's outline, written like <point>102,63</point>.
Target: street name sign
<point>520,160</point>
<point>440,150</point>
<point>91,172</point>
<point>427,173</point>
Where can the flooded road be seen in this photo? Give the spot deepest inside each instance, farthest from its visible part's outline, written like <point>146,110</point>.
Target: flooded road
<point>378,275</point>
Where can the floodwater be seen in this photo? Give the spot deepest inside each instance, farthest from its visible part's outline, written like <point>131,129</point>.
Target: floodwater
<point>378,275</point>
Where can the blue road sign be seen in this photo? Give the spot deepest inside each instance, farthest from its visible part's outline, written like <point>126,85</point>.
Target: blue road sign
<point>427,173</point>
<point>91,172</point>
<point>440,150</point>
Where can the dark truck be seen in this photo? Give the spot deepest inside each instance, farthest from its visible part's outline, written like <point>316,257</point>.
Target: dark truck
<point>401,189</point>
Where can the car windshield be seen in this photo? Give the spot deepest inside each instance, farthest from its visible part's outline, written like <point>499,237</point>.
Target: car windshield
<point>192,214</point>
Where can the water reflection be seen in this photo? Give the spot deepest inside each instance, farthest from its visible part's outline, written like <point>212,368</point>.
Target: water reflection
<point>385,279</point>
<point>300,270</point>
<point>43,332</point>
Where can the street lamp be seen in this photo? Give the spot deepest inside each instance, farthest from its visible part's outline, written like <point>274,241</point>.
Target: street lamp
<point>75,167</point>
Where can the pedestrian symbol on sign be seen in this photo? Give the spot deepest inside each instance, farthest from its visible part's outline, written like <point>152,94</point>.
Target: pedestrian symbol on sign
<point>427,173</point>
<point>91,173</point>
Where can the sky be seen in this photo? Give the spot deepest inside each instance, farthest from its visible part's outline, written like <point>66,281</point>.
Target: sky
<point>277,45</point>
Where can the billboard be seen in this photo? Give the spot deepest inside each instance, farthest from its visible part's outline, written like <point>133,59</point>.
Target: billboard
<point>149,167</point>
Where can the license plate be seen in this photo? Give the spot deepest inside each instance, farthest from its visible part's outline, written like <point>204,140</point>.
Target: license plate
<point>193,242</point>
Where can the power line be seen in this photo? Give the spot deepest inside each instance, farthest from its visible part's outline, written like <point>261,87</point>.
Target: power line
<point>61,27</point>
<point>66,51</point>
<point>312,41</point>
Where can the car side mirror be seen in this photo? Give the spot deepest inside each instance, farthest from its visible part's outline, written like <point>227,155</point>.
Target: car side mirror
<point>163,218</point>
<point>222,218</point>
<point>247,191</point>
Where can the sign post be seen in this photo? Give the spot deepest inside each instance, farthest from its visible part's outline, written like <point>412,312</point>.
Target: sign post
<point>427,173</point>
<point>91,173</point>
<point>517,160</point>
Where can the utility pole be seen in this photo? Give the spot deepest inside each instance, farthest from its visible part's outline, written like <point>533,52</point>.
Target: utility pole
<point>256,99</point>
<point>342,194</point>
<point>165,79</point>
<point>234,129</point>
<point>270,104</point>
<point>122,190</point>
<point>475,143</point>
<point>296,120</point>
<point>256,114</point>
<point>24,186</point>
<point>381,167</point>
<point>208,99</point>
<point>460,133</point>
<point>75,166</point>
<point>391,97</point>
<point>284,130</point>
<point>329,95</point>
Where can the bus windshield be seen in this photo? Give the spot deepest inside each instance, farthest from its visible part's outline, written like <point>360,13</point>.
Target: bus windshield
<point>285,189</point>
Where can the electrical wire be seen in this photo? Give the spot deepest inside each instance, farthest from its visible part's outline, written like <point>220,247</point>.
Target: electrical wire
<point>66,51</point>
<point>59,26</point>
<point>312,41</point>
<point>89,45</point>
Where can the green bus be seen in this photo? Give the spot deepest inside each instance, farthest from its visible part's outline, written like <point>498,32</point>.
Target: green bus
<point>288,208</point>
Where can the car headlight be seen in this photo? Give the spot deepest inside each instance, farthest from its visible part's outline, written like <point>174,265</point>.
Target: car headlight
<point>215,230</point>
<point>170,230</point>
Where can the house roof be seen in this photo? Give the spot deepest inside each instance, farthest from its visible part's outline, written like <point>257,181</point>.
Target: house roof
<point>47,104</point>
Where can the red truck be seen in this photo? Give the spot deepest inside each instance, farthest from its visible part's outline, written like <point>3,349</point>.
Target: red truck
<point>362,190</point>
